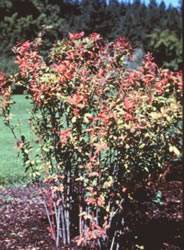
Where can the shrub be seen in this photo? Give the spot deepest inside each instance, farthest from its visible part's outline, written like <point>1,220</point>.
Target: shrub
<point>100,127</point>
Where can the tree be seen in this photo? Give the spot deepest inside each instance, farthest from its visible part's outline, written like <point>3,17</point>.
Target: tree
<point>167,48</point>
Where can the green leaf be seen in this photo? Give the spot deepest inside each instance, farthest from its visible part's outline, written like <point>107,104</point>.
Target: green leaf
<point>175,150</point>
<point>155,115</point>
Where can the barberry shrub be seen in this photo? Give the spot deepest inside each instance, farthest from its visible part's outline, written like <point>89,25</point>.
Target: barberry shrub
<point>100,128</point>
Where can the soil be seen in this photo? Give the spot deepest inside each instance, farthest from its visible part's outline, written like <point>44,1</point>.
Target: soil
<point>156,224</point>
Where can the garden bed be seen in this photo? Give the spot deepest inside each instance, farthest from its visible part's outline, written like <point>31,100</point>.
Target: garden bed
<point>23,222</point>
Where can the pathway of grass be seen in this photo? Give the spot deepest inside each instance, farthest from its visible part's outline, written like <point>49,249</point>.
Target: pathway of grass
<point>11,169</point>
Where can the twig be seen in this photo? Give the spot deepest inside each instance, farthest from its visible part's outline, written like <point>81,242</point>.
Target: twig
<point>50,223</point>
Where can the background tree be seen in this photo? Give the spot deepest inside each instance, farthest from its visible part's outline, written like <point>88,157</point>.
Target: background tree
<point>22,20</point>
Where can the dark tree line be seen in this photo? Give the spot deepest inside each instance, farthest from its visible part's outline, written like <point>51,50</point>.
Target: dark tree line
<point>153,28</point>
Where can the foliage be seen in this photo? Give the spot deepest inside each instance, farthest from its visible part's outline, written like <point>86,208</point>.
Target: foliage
<point>22,20</point>
<point>101,128</point>
<point>167,48</point>
<point>26,20</point>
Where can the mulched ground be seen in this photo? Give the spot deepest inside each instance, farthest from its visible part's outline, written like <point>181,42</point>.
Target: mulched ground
<point>23,222</point>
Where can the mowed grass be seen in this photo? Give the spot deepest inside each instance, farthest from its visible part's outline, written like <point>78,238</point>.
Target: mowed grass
<point>11,167</point>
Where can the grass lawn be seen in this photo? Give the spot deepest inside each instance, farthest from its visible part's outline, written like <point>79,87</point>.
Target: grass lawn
<point>11,168</point>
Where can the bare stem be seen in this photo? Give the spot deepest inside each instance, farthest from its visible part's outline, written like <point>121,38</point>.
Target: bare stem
<point>50,223</point>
